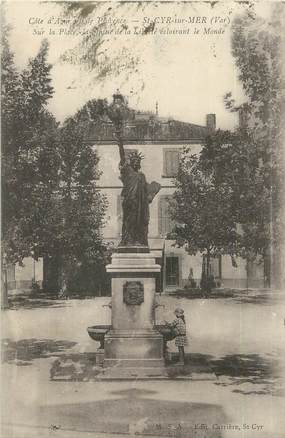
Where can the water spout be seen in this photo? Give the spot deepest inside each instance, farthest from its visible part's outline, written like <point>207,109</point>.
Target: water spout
<point>108,305</point>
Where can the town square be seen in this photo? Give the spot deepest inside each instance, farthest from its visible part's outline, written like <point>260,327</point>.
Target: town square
<point>143,206</point>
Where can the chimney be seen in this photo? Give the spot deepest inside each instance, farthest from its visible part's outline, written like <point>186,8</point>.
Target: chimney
<point>211,122</point>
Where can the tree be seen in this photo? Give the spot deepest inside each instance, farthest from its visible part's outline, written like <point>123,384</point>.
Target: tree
<point>73,231</point>
<point>232,159</point>
<point>92,49</point>
<point>203,206</point>
<point>222,203</point>
<point>51,206</point>
<point>29,151</point>
<point>10,97</point>
<point>257,46</point>
<point>28,137</point>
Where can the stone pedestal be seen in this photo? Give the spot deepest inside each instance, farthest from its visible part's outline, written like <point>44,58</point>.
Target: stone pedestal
<point>133,342</point>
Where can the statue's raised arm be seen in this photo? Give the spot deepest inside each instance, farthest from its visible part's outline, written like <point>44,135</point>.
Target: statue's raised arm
<point>118,112</point>
<point>137,194</point>
<point>121,150</point>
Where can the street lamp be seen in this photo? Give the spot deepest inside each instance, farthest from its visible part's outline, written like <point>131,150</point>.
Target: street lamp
<point>117,112</point>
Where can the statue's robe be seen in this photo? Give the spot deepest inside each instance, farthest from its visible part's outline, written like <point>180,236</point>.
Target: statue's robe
<point>135,207</point>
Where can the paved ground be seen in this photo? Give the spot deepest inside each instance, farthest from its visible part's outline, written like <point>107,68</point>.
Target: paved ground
<point>241,339</point>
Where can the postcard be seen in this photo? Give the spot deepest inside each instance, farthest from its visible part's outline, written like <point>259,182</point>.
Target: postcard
<point>143,219</point>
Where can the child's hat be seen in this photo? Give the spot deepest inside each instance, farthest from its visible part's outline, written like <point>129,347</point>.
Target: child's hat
<point>179,311</point>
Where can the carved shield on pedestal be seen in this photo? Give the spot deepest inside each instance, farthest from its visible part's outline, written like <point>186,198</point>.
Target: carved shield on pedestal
<point>133,293</point>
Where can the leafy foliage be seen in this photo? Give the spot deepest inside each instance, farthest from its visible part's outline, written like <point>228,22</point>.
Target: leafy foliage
<point>51,206</point>
<point>94,51</point>
<point>29,135</point>
<point>80,206</point>
<point>257,46</point>
<point>229,199</point>
<point>216,199</point>
<point>204,206</point>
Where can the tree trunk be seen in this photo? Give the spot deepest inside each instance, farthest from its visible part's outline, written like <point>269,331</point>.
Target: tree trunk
<point>208,283</point>
<point>276,268</point>
<point>4,292</point>
<point>267,269</point>
<point>68,270</point>
<point>51,280</point>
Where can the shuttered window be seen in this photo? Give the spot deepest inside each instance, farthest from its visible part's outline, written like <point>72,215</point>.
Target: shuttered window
<point>171,162</point>
<point>165,223</point>
<point>172,271</point>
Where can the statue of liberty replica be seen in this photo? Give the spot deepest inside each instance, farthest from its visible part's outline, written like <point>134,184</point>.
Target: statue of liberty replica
<point>137,194</point>
<point>132,346</point>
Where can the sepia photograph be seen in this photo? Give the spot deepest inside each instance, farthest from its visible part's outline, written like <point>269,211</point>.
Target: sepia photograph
<point>143,219</point>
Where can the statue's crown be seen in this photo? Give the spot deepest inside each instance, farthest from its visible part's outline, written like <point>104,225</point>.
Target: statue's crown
<point>135,156</point>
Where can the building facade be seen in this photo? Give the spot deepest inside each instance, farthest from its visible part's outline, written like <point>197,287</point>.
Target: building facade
<point>161,142</point>
<point>21,278</point>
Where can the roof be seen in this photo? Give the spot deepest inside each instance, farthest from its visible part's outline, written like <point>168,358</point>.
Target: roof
<point>148,127</point>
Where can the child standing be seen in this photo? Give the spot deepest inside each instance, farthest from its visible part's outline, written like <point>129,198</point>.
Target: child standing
<point>179,328</point>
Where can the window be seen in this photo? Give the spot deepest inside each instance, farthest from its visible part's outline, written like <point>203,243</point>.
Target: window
<point>216,266</point>
<point>165,223</point>
<point>171,160</point>
<point>172,271</point>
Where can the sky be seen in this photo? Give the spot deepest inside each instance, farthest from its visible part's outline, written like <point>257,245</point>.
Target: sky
<point>186,74</point>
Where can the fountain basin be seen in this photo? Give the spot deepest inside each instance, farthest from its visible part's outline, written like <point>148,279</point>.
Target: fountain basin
<point>98,332</point>
<point>165,331</point>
